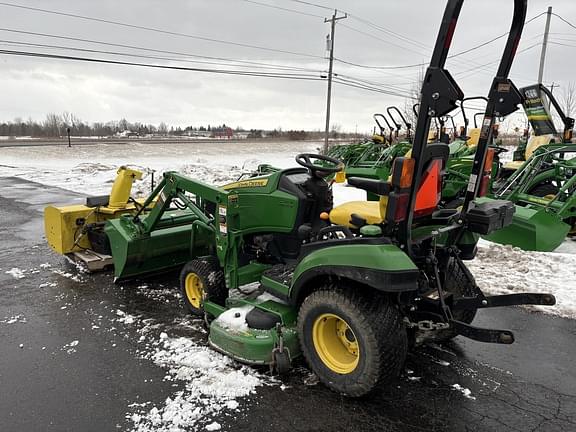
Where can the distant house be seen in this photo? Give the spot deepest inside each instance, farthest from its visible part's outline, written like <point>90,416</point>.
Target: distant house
<point>222,132</point>
<point>241,135</point>
<point>127,134</point>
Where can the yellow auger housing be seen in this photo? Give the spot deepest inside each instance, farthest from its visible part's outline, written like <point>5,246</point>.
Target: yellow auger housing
<point>122,187</point>
<point>64,226</point>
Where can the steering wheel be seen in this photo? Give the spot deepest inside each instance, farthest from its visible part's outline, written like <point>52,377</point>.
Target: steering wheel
<point>305,160</point>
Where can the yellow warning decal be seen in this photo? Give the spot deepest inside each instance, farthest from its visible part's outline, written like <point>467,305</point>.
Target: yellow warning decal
<point>246,184</point>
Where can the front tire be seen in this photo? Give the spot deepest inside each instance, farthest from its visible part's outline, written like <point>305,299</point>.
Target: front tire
<point>352,342</point>
<point>201,280</point>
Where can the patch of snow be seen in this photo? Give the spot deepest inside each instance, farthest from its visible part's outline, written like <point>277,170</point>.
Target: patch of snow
<point>235,318</point>
<point>16,273</point>
<point>214,426</point>
<point>502,269</point>
<point>213,382</point>
<point>14,319</point>
<point>70,347</point>
<point>466,392</point>
<point>267,296</point>
<point>75,278</point>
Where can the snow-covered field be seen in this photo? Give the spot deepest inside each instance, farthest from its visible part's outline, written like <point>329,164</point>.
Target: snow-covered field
<point>213,383</point>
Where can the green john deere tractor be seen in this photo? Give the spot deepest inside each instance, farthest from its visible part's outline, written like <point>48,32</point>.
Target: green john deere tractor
<point>350,288</point>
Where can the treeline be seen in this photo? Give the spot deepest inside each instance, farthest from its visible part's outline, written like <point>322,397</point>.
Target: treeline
<point>56,125</point>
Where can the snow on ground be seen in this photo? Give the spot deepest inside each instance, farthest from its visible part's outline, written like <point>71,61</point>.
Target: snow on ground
<point>506,270</point>
<point>16,273</point>
<point>91,169</point>
<point>211,383</point>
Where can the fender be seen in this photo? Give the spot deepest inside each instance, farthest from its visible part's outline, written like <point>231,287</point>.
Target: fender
<point>384,267</point>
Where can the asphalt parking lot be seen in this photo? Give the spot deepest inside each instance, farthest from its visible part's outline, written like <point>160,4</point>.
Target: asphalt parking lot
<point>48,383</point>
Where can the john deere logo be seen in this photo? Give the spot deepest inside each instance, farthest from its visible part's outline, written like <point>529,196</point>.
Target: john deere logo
<point>246,184</point>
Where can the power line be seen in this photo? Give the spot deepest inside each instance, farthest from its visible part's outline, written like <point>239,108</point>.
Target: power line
<point>306,77</point>
<point>157,30</point>
<point>380,39</point>
<point>564,20</point>
<point>283,9</point>
<point>390,32</point>
<point>124,54</point>
<point>483,44</point>
<point>562,44</point>
<point>92,41</point>
<point>450,56</point>
<point>302,77</point>
<point>312,4</point>
<point>476,69</point>
<point>350,83</point>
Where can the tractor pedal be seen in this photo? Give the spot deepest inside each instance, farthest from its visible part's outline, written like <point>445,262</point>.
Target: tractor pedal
<point>281,273</point>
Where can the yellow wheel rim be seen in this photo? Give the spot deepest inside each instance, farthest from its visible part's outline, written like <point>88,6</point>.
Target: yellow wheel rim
<point>194,290</point>
<point>335,343</point>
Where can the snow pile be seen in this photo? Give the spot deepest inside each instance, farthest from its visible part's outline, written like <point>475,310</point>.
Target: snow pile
<point>70,347</point>
<point>16,273</point>
<point>466,392</point>
<point>235,318</point>
<point>14,319</point>
<point>213,382</point>
<point>125,318</point>
<point>506,270</point>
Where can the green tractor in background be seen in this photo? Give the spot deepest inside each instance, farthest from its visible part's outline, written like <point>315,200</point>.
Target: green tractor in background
<point>376,161</point>
<point>542,186</point>
<point>350,288</point>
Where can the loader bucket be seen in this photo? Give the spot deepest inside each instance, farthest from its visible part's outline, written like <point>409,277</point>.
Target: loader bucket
<point>532,230</point>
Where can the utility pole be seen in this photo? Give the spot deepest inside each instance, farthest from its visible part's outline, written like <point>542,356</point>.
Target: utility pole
<point>553,86</point>
<point>544,45</point>
<point>330,47</point>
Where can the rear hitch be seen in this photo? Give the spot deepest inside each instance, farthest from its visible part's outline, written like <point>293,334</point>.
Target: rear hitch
<point>504,300</point>
<point>505,337</point>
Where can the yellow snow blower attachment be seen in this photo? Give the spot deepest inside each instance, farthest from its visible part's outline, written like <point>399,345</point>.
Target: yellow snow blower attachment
<point>67,228</point>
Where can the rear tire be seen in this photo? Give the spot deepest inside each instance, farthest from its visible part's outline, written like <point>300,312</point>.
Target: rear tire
<point>352,342</point>
<point>459,285</point>
<point>201,280</point>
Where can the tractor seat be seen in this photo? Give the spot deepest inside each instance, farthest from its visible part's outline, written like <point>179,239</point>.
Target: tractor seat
<point>355,214</point>
<point>473,137</point>
<point>362,212</point>
<point>534,142</point>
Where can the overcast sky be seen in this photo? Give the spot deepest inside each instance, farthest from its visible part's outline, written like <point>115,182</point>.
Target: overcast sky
<point>32,87</point>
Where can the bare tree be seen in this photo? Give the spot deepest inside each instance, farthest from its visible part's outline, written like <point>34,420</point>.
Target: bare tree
<point>163,128</point>
<point>568,99</point>
<point>413,98</point>
<point>52,124</point>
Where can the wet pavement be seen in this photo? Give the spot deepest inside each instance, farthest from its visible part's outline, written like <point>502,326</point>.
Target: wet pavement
<point>50,383</point>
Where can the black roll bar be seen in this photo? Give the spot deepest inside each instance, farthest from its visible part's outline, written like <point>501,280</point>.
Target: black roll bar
<point>440,94</point>
<point>382,129</point>
<point>398,125</point>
